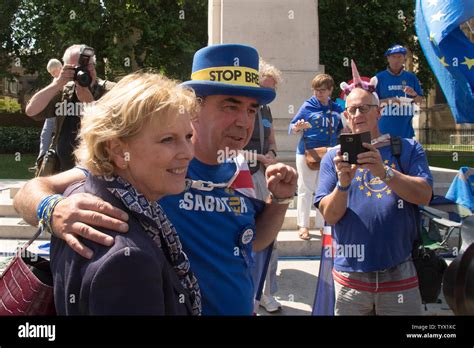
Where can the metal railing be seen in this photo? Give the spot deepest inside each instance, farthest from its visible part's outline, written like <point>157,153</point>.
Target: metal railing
<point>447,140</point>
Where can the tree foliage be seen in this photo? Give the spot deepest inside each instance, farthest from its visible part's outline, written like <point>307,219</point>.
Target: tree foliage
<point>128,34</point>
<point>363,30</point>
<point>164,34</point>
<point>7,12</point>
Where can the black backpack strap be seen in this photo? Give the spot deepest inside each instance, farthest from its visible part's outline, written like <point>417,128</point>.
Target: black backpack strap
<point>396,147</point>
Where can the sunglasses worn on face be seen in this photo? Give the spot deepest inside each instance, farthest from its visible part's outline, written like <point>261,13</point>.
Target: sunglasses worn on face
<point>364,108</point>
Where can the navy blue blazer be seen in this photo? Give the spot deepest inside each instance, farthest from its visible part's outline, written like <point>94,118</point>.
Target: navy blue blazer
<point>133,277</point>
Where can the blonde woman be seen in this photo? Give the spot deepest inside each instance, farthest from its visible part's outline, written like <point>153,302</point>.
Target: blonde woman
<point>135,147</point>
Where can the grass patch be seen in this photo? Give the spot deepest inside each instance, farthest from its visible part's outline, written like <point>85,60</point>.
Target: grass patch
<point>16,166</point>
<point>448,159</point>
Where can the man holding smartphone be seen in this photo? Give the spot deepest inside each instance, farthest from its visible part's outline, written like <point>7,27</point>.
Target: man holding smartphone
<point>370,204</point>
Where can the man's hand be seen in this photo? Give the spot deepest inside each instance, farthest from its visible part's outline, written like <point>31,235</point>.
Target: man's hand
<point>66,75</point>
<point>300,125</point>
<point>267,159</point>
<point>372,160</point>
<point>345,171</point>
<point>410,91</point>
<point>281,180</point>
<point>73,216</point>
<point>84,94</point>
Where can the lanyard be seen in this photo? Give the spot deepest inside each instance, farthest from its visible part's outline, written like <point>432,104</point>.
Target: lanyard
<point>203,185</point>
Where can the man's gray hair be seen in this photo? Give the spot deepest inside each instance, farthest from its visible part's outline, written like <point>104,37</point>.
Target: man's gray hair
<point>72,50</point>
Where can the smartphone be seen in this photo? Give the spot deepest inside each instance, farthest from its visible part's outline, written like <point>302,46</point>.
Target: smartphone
<point>351,145</point>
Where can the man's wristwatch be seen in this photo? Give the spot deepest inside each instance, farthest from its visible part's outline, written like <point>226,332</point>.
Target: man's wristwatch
<point>342,188</point>
<point>389,174</point>
<point>273,199</point>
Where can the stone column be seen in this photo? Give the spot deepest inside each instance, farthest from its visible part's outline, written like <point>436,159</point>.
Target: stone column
<point>286,35</point>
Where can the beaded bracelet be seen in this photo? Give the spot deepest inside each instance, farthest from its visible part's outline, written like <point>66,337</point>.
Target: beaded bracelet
<point>45,210</point>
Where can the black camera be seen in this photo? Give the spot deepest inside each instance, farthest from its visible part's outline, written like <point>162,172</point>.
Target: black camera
<point>81,72</point>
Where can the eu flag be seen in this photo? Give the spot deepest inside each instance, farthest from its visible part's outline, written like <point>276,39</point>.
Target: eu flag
<point>448,51</point>
<point>461,190</point>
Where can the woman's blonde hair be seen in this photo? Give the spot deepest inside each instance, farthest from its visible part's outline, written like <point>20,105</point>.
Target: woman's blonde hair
<point>122,113</point>
<point>268,70</point>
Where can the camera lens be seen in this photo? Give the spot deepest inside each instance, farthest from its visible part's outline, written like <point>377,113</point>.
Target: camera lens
<point>82,77</point>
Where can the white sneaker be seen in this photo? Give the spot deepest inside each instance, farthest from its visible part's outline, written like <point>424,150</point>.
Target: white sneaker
<point>270,304</point>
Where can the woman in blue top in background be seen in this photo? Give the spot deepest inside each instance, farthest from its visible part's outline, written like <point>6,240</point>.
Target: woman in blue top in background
<point>319,123</point>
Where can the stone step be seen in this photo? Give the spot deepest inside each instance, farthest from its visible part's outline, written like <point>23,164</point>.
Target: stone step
<point>443,175</point>
<point>12,186</point>
<point>14,191</point>
<point>6,205</point>
<point>17,228</point>
<point>7,210</point>
<point>290,222</point>
<point>289,244</point>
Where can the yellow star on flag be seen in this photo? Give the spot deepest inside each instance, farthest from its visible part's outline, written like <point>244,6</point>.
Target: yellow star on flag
<point>369,194</point>
<point>361,187</point>
<point>389,192</point>
<point>432,36</point>
<point>322,130</point>
<point>443,61</point>
<point>358,178</point>
<point>386,161</point>
<point>379,196</point>
<point>361,170</point>
<point>469,62</point>
<point>393,165</point>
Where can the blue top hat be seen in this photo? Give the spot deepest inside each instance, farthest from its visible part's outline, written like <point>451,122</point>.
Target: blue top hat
<point>228,70</point>
<point>396,49</point>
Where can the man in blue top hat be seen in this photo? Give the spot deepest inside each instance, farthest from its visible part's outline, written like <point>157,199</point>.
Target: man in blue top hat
<point>398,90</point>
<point>217,220</point>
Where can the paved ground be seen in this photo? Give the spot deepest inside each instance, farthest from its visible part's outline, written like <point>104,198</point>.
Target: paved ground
<point>297,286</point>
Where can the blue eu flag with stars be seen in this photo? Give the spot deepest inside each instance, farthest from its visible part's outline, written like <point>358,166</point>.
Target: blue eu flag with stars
<point>448,51</point>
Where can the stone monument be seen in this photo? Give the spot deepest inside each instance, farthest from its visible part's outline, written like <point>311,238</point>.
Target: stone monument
<point>286,34</point>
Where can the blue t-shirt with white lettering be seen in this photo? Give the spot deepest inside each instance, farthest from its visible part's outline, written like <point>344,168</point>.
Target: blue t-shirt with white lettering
<point>319,116</point>
<point>397,118</point>
<point>378,229</point>
<point>210,225</point>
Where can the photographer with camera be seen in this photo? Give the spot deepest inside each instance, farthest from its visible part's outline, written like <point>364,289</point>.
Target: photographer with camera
<point>371,204</point>
<point>65,97</point>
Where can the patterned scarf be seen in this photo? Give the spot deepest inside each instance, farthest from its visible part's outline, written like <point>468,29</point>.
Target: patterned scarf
<point>159,228</point>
